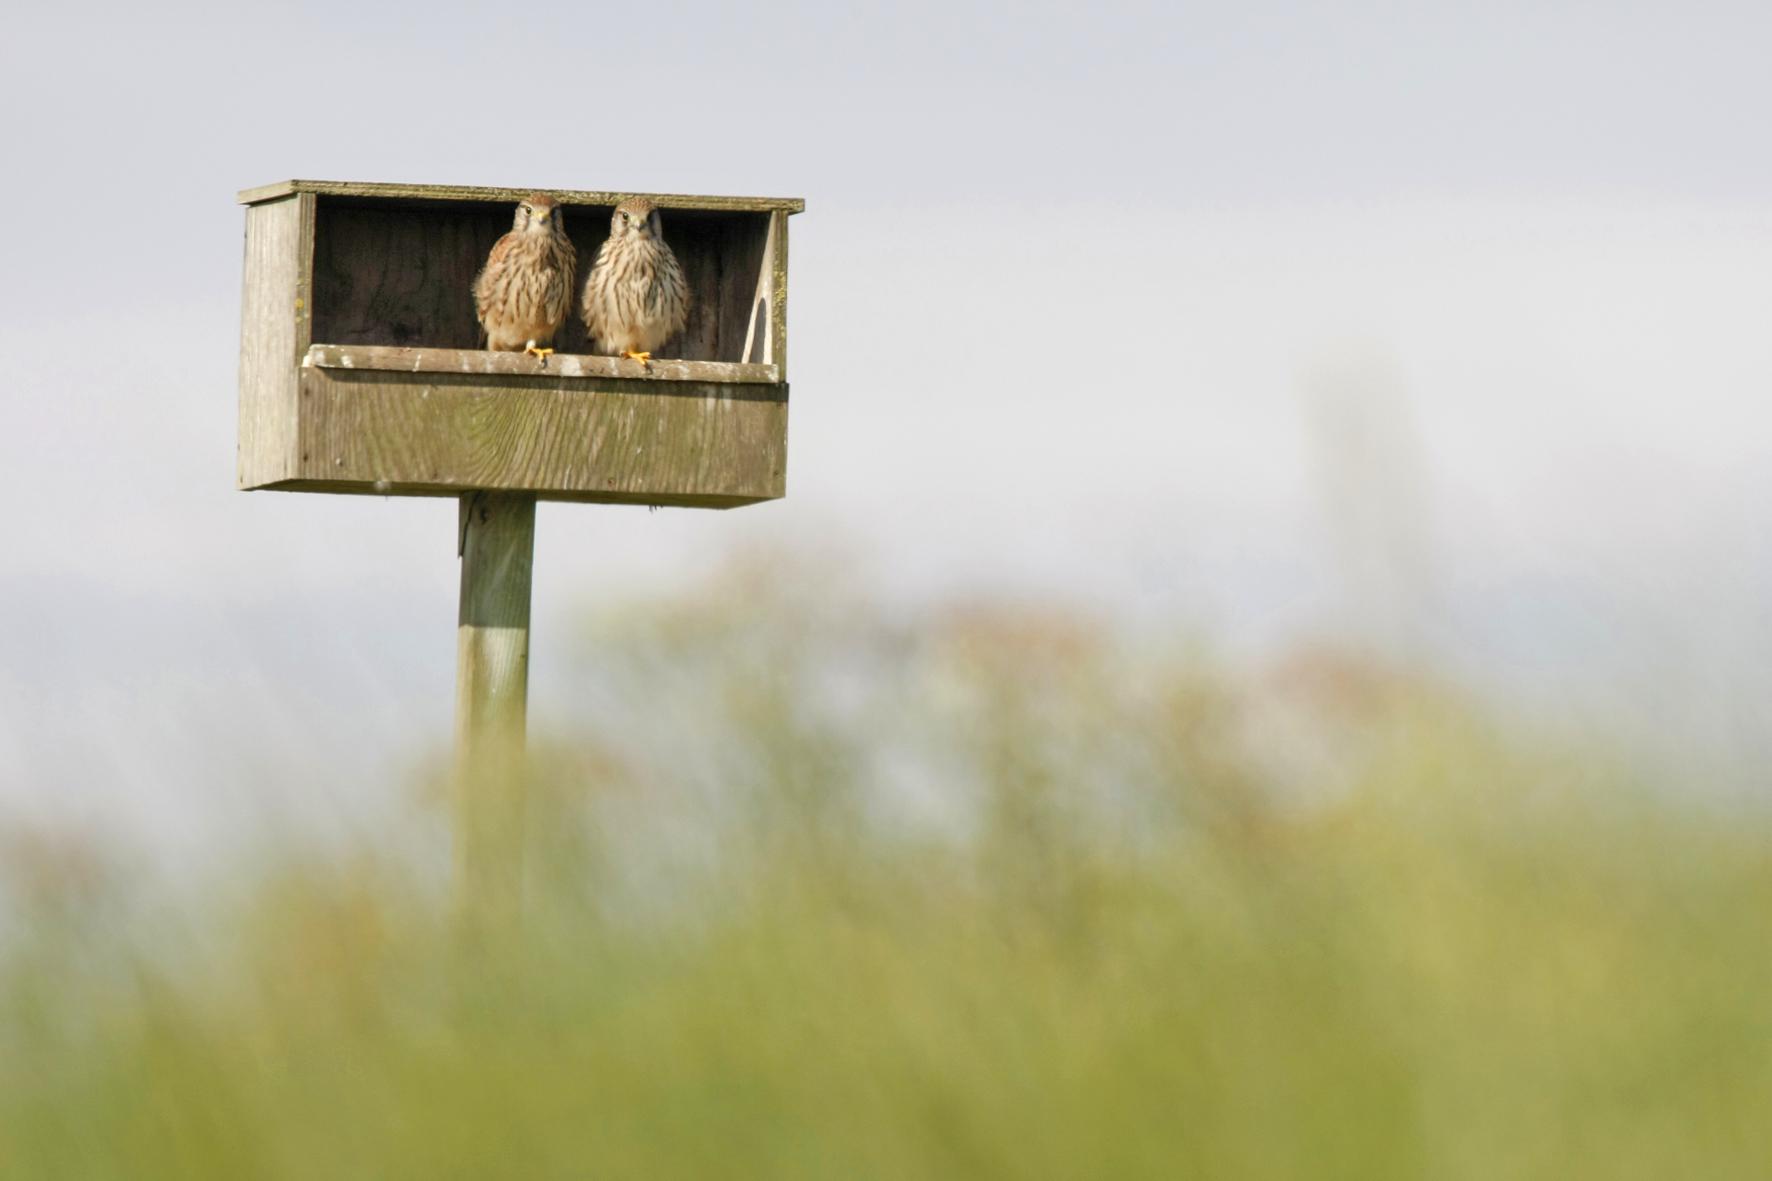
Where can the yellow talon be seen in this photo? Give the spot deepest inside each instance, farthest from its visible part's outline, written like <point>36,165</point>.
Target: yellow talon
<point>533,351</point>
<point>643,358</point>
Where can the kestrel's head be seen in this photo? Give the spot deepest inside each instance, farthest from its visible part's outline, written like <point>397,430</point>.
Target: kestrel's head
<point>539,212</point>
<point>637,219</point>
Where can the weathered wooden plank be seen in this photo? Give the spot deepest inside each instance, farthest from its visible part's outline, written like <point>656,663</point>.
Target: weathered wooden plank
<point>757,344</point>
<point>778,303</point>
<point>274,319</point>
<point>718,251</point>
<point>378,357</point>
<point>394,275</point>
<point>491,701</point>
<point>452,492</point>
<point>724,297</point>
<point>564,438</point>
<point>335,188</point>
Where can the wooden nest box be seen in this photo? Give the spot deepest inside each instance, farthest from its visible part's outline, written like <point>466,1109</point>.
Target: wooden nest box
<point>360,371</point>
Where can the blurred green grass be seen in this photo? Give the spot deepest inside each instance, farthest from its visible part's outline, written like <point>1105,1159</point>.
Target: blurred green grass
<point>822,889</point>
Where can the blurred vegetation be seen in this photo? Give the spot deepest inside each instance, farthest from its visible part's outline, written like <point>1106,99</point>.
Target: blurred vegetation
<point>825,889</point>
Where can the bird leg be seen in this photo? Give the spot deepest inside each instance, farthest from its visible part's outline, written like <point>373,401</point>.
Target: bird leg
<point>544,353</point>
<point>631,355</point>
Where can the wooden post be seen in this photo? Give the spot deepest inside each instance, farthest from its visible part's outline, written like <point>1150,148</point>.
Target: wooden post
<point>497,546</point>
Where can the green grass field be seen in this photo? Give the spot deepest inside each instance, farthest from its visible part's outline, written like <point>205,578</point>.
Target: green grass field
<point>823,892</point>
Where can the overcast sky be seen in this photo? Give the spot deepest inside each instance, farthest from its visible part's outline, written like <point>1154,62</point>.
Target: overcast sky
<point>1083,302</point>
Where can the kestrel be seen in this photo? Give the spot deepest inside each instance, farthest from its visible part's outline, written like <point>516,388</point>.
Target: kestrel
<point>524,291</point>
<point>635,297</point>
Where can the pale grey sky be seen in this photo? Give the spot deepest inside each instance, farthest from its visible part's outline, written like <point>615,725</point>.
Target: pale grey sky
<point>1064,279</point>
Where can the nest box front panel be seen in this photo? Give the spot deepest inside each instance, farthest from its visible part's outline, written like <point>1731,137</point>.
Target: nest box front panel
<point>688,444</point>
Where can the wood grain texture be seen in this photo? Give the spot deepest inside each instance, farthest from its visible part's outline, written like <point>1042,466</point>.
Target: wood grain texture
<point>778,303</point>
<point>399,274</point>
<point>610,198</point>
<point>757,344</point>
<point>389,275</point>
<point>327,356</point>
<point>742,260</point>
<point>274,309</point>
<point>491,701</point>
<point>558,438</point>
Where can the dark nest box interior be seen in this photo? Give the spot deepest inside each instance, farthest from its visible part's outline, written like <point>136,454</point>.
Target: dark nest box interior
<point>360,369</point>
